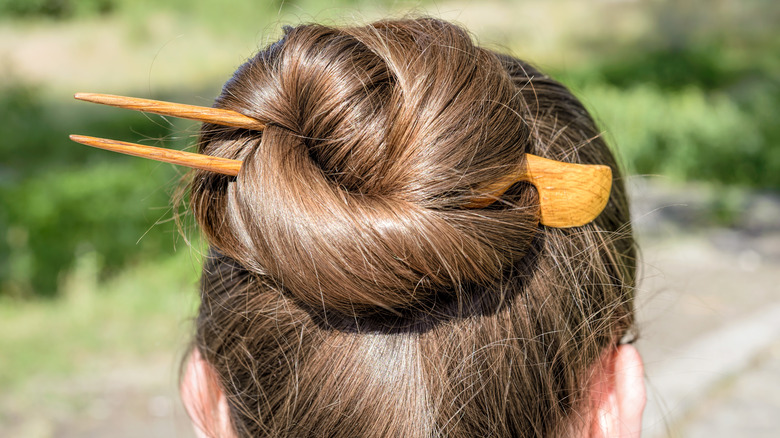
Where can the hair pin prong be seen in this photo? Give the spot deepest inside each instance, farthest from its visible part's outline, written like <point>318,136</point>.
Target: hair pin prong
<point>217,116</point>
<point>224,166</point>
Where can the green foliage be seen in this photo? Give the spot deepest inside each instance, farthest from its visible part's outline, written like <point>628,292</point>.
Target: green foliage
<point>58,9</point>
<point>673,69</point>
<point>59,199</point>
<point>35,130</point>
<point>205,12</point>
<point>692,113</point>
<point>688,134</point>
<point>55,217</point>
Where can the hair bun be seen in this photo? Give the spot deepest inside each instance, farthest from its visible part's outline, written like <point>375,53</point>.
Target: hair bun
<point>351,198</point>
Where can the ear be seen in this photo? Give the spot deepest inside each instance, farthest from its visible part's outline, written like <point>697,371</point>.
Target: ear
<point>618,394</point>
<point>203,398</point>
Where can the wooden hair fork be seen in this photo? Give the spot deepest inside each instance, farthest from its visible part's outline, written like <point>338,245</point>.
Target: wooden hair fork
<point>570,194</point>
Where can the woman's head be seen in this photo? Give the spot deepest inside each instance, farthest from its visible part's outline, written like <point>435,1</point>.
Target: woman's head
<point>349,292</point>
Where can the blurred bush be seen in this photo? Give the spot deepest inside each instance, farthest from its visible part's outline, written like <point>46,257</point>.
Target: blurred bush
<point>688,134</point>
<point>211,10</point>
<point>59,199</point>
<point>689,113</point>
<point>674,69</point>
<point>108,208</point>
<point>54,8</point>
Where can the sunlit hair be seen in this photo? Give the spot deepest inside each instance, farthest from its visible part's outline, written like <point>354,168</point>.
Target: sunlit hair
<point>348,292</point>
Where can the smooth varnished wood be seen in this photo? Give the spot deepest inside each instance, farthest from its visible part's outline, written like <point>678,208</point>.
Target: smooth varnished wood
<point>202,114</point>
<point>570,194</point>
<point>224,166</point>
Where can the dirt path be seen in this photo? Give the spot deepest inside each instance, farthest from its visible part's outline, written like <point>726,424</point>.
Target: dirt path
<point>700,280</point>
<point>139,399</point>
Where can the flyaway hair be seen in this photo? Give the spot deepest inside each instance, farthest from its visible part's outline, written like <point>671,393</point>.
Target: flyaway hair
<point>350,290</point>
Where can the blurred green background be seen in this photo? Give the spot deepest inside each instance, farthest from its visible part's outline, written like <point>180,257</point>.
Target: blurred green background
<point>91,260</point>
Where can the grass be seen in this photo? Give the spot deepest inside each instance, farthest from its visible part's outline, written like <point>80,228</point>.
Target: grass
<point>95,325</point>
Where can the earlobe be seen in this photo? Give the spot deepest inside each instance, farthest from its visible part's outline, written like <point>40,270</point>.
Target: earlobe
<point>203,398</point>
<point>630,390</point>
<point>618,395</point>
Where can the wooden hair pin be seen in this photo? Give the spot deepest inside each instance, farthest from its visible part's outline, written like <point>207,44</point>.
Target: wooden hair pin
<point>570,195</point>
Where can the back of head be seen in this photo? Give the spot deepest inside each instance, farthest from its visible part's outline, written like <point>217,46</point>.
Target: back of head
<point>349,292</point>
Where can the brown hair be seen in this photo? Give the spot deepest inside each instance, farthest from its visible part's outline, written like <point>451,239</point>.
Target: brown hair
<point>349,293</point>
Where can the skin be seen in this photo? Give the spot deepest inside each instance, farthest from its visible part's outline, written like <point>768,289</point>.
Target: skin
<point>204,400</point>
<point>618,395</point>
<point>617,398</point>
